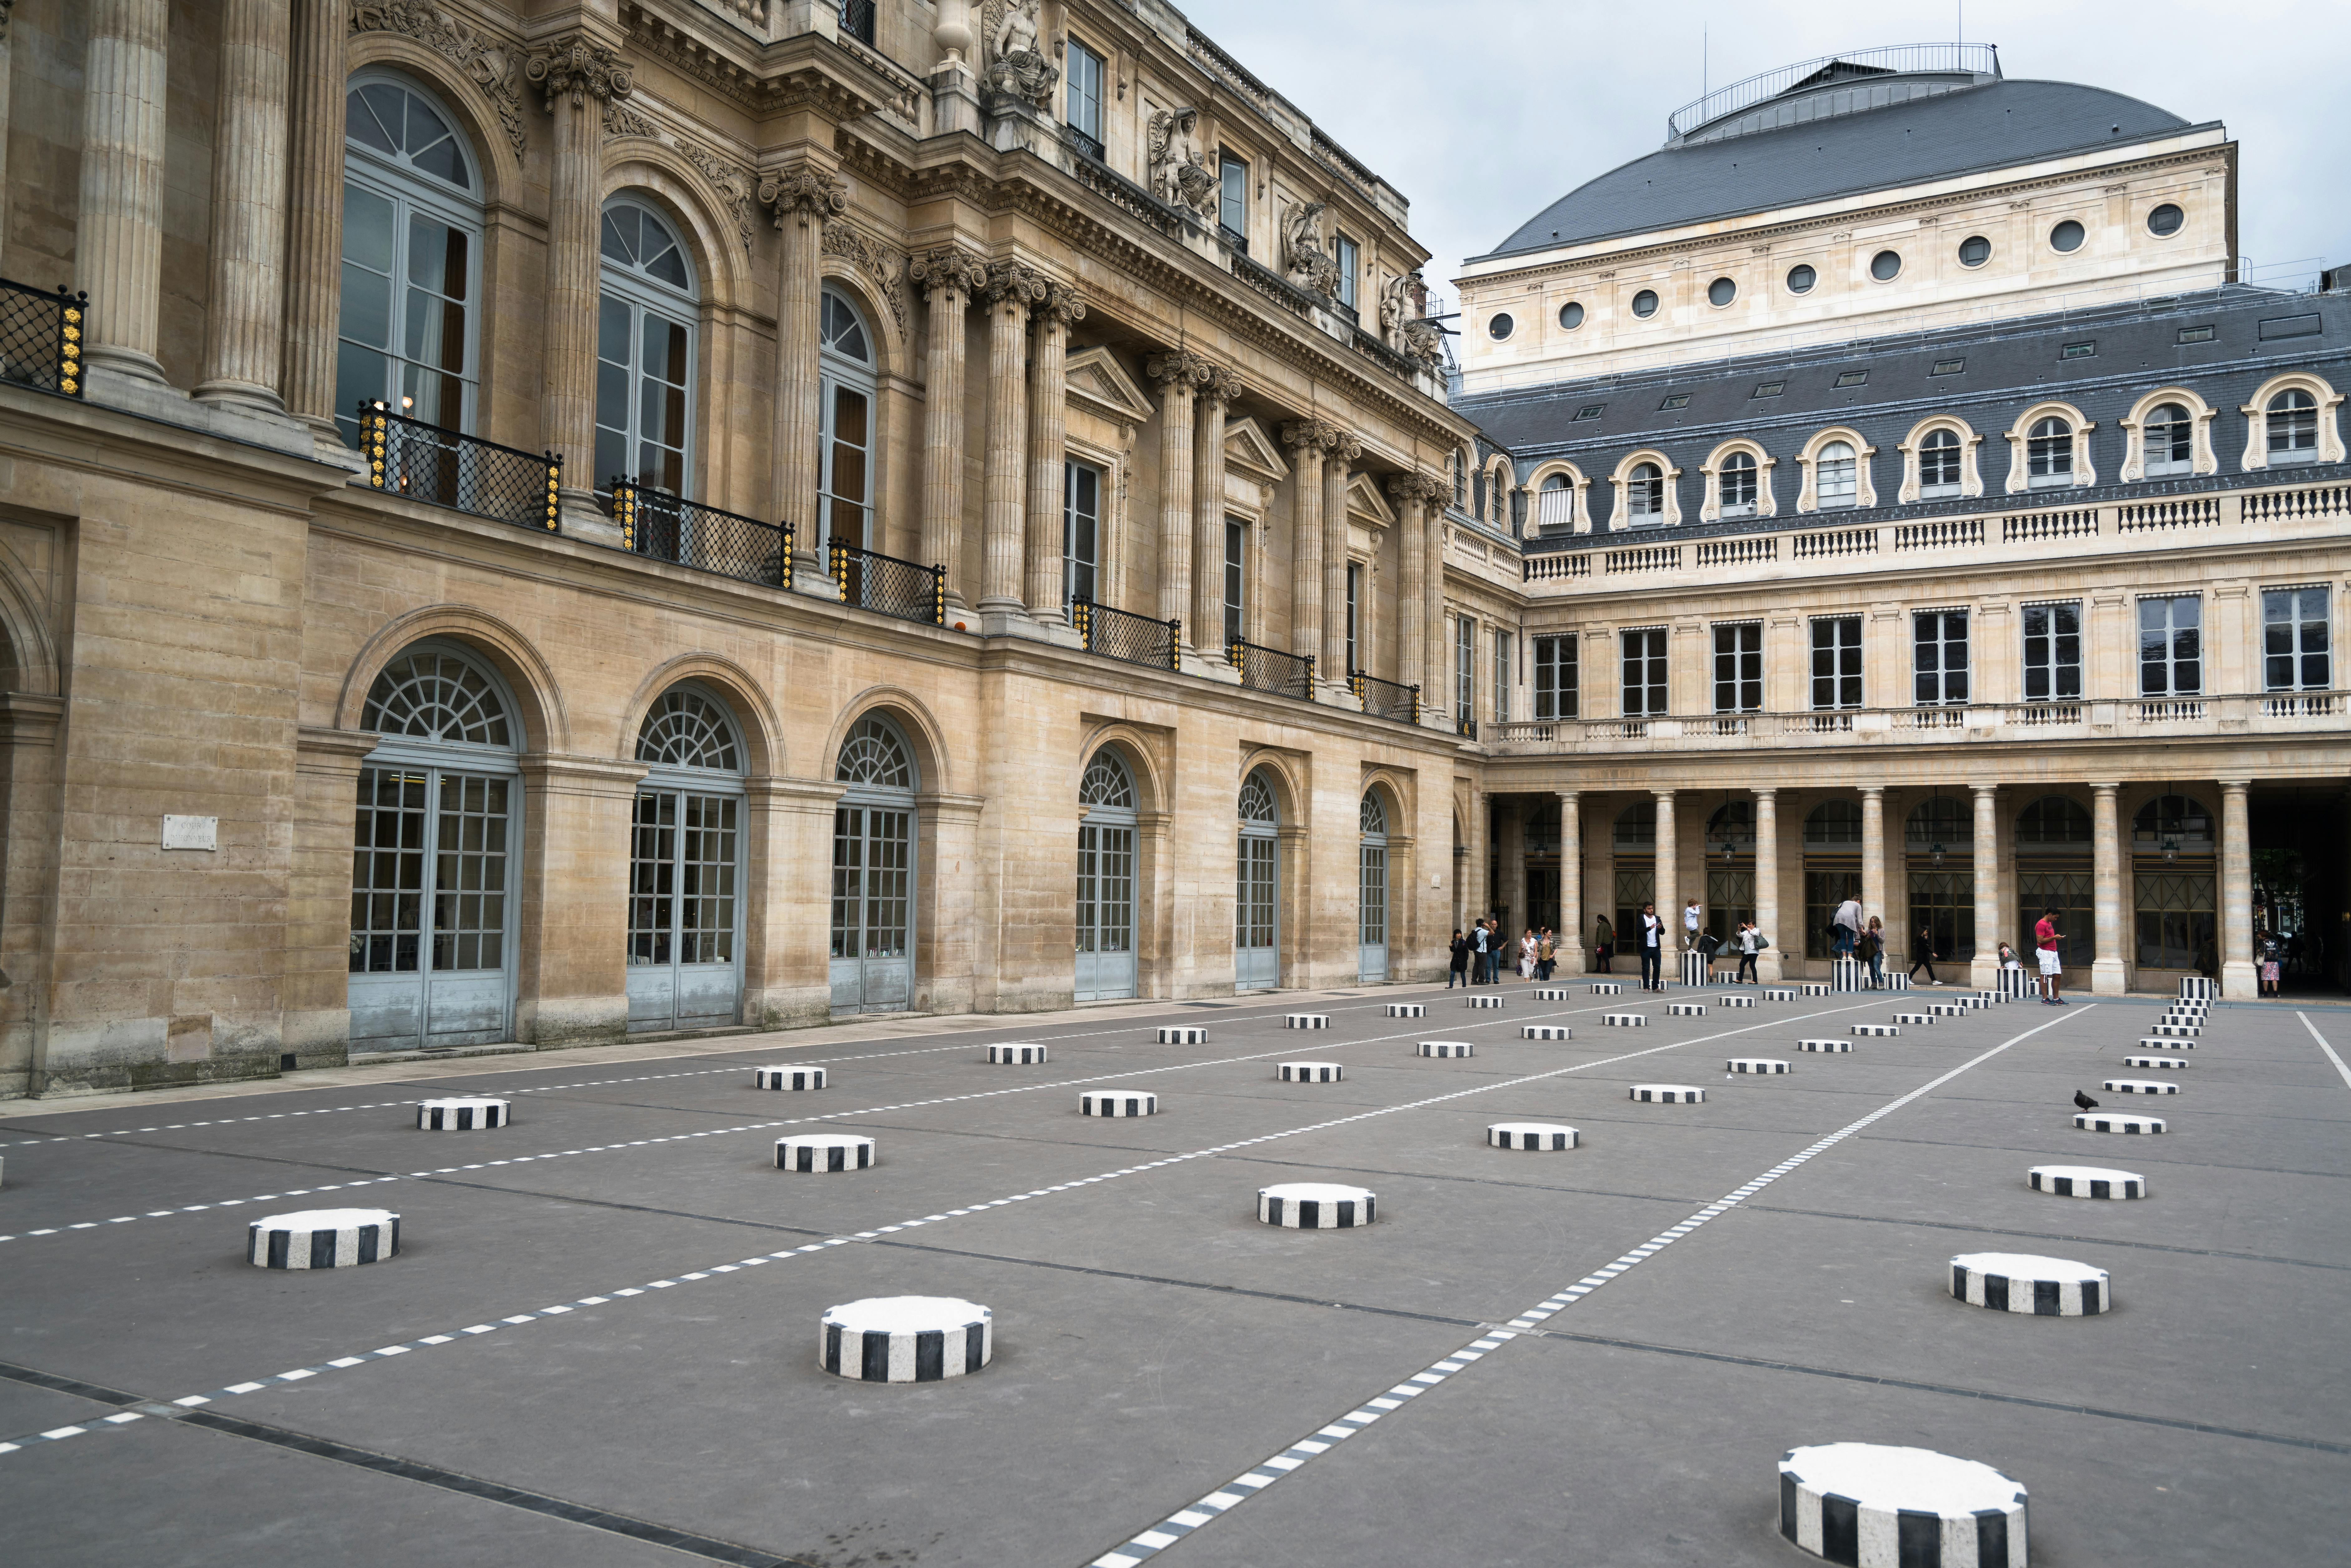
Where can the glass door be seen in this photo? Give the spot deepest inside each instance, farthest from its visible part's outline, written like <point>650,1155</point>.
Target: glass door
<point>873,874</point>
<point>684,971</point>
<point>431,944</point>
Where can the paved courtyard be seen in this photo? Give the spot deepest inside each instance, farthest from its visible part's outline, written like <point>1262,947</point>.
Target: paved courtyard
<point>598,1343</point>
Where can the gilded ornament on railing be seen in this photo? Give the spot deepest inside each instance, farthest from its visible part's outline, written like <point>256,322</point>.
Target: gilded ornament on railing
<point>1017,70</point>
<point>580,69</point>
<point>1178,176</point>
<point>486,62</point>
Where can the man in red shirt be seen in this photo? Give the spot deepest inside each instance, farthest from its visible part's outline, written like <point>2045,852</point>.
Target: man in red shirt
<point>2045,938</point>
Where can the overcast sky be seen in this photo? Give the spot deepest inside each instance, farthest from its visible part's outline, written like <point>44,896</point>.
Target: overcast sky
<point>1482,115</point>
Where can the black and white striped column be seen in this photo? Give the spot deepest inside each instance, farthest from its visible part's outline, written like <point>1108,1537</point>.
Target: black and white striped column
<point>1814,988</point>
<point>1183,1034</point>
<point>1824,1045</point>
<point>462,1115</point>
<point>788,1077</point>
<point>1485,999</point>
<point>1315,1205</point>
<point>1551,993</point>
<point>2087,1181</point>
<point>2140,1086</point>
<point>813,1153</point>
<point>1896,980</point>
<point>1880,1507</point>
<point>2198,989</point>
<point>1541,1135</point>
<point>1733,999</point>
<point>1693,969</point>
<point>1407,1010</point>
<point>1846,973</point>
<point>1015,1053</point>
<point>1913,1017</point>
<point>2160,1063</point>
<point>1947,1009</point>
<point>2038,1287</point>
<point>2176,1030</point>
<point>1624,1020</point>
<point>1686,1009</point>
<point>2165,1043</point>
<point>1779,993</point>
<point>1607,987</point>
<point>1306,1021</point>
<point>2009,984</point>
<point>322,1238</point>
<point>1877,1031</point>
<point>1666,1095</point>
<point>1310,1072</point>
<point>1119,1103</point>
<point>2117,1121</point>
<point>905,1339</point>
<point>1546,1032</point>
<point>1765,1065</point>
<point>1445,1048</point>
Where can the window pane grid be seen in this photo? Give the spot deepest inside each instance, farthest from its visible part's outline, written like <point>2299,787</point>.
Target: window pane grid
<point>1739,668</point>
<point>1836,662</point>
<point>1558,682</point>
<point>1938,660</point>
<point>2295,653</point>
<point>1645,672</point>
<point>1375,893</point>
<point>2171,646</point>
<point>469,908</point>
<point>2052,652</point>
<point>388,872</point>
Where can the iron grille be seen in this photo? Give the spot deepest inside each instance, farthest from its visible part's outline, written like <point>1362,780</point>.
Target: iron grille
<point>1386,699</point>
<point>1271,670</point>
<point>442,468</point>
<point>40,338</point>
<point>888,585</point>
<point>669,527</point>
<point>1129,638</point>
<point>857,20</point>
<point>1465,727</point>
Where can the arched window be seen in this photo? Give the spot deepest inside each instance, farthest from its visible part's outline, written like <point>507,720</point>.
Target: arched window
<point>2293,428</point>
<point>2169,436</point>
<point>874,757</point>
<point>1106,881</point>
<point>2049,452</point>
<point>1256,955</point>
<point>437,694</point>
<point>1737,482</point>
<point>411,259</point>
<point>2177,823</point>
<point>1734,825</point>
<point>1372,889</point>
<point>1831,822</point>
<point>873,837</point>
<point>2052,822</point>
<point>1555,504</point>
<point>686,729</point>
<point>685,867</point>
<point>845,411</point>
<point>1940,457</point>
<point>1107,784</point>
<point>1645,495</point>
<point>1636,829</point>
<point>644,352</point>
<point>1836,477</point>
<point>1941,822</point>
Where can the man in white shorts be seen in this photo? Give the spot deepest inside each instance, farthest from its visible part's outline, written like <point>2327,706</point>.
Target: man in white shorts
<point>2045,938</point>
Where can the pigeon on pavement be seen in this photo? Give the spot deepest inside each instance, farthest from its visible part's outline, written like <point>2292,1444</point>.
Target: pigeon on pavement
<point>2083,1101</point>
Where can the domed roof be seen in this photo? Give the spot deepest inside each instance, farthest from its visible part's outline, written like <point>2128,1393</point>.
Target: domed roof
<point>1723,169</point>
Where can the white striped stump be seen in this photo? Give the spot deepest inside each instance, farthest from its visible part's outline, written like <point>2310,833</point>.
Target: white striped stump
<point>1183,1034</point>
<point>1666,1094</point>
<point>2179,1031</point>
<point>1824,1045</point>
<point>2115,1122</point>
<point>788,1078</point>
<point>1877,1031</point>
<point>1445,1048</point>
<point>1897,981</point>
<point>1488,1001</point>
<point>1814,988</point>
<point>2187,1012</point>
<point>1607,987</point>
<point>2197,989</point>
<point>1624,1020</point>
<point>1981,999</point>
<point>1913,1017</point>
<point>1761,1064</point>
<point>1883,1507</point>
<point>2172,1021</point>
<point>1551,993</point>
<point>1732,999</point>
<point>1306,1021</point>
<point>1016,1054</point>
<point>2160,1063</point>
<point>814,1153</point>
<point>2010,984</point>
<point>1779,993</point>
<point>1407,1010</point>
<point>2140,1086</point>
<point>2038,1287</point>
<point>322,1238</point>
<point>1315,1205</point>
<point>1545,1032</point>
<point>1693,969</point>
<point>1947,1009</point>
<point>1547,1135</point>
<point>1310,1072</point>
<point>461,1116</point>
<point>2165,1043</point>
<point>1120,1102</point>
<point>1846,973</point>
<point>905,1339</point>
<point>2085,1181</point>
<point>1686,1009</point>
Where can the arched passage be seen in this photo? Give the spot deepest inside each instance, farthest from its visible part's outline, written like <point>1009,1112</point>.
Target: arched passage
<point>1106,880</point>
<point>1372,888</point>
<point>873,838</point>
<point>1257,886</point>
<point>686,868</point>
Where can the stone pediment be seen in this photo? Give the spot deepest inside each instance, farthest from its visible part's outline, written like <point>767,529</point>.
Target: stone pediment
<point>1097,383</point>
<point>1364,501</point>
<point>1250,451</point>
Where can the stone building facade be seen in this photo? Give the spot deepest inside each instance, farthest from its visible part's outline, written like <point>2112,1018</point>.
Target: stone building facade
<point>546,522</point>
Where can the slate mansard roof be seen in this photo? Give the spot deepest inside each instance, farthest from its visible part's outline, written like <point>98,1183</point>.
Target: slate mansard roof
<point>2008,366</point>
<point>1995,125</point>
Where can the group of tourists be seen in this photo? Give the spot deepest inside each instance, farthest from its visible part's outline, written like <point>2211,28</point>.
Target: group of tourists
<point>1478,956</point>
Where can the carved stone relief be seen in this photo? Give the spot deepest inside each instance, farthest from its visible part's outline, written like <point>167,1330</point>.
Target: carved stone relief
<point>488,62</point>
<point>1309,264</point>
<point>1017,70</point>
<point>1178,176</point>
<point>882,266</point>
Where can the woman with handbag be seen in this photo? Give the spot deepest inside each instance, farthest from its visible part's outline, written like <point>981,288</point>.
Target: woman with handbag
<point>1751,942</point>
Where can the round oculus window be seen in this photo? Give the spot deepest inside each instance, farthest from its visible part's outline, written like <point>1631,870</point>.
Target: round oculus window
<point>1721,291</point>
<point>1974,251</point>
<point>1886,266</point>
<point>2067,236</point>
<point>1801,279</point>
<point>1501,325</point>
<point>1570,315</point>
<point>2166,220</point>
<point>1644,304</point>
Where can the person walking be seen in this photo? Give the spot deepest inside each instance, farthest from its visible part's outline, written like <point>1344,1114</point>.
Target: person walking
<point>1478,952</point>
<point>1925,954</point>
<point>1653,941</point>
<point>1751,942</point>
<point>1527,953</point>
<point>1604,946</point>
<point>1546,953</point>
<point>1871,950</point>
<point>1458,974</point>
<point>2045,938</point>
<point>1844,929</point>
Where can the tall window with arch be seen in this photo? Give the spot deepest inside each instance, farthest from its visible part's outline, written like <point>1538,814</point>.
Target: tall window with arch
<point>1939,465</point>
<point>2049,453</point>
<point>645,318</point>
<point>1371,890</point>
<point>1106,880</point>
<point>685,966</point>
<point>1737,485</point>
<point>2169,442</point>
<point>2056,869</point>
<point>1644,495</point>
<point>1836,477</point>
<point>412,269</point>
<point>1939,847</point>
<point>2293,427</point>
<point>873,835</point>
<point>1555,505</point>
<point>846,385</point>
<point>1256,887</point>
<point>2173,884</point>
<point>1832,839</point>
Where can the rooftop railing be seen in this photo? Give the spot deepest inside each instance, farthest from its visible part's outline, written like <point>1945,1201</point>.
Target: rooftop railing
<point>1386,699</point>
<point>464,473</point>
<point>1976,60</point>
<point>1271,670</point>
<point>664,527</point>
<point>40,338</point>
<point>1129,638</point>
<point>888,585</point>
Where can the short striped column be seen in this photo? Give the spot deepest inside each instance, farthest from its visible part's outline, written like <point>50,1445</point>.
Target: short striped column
<point>905,1339</point>
<point>788,1078</point>
<point>1607,987</point>
<point>1666,1095</point>
<point>1779,993</point>
<point>2025,1282</point>
<point>2140,1086</point>
<point>1545,1032</point>
<point>1758,1064</point>
<point>1315,1205</point>
<point>2115,1122</point>
<point>1947,1009</point>
<point>2010,984</point>
<point>1867,1503</point>
<point>1445,1048</point>
<point>1913,1017</point>
<point>1732,999</point>
<point>2165,1043</point>
<point>1624,1020</point>
<point>1981,1000</point>
<point>814,1153</point>
<point>1306,1021</point>
<point>1875,1030</point>
<point>1553,993</point>
<point>1686,1009</point>
<point>1017,1054</point>
<point>1824,1045</point>
<point>2085,1181</point>
<point>1846,973</point>
<point>1546,1135</point>
<point>1407,1010</point>
<point>2198,989</point>
<point>462,1115</point>
<point>2178,1031</point>
<point>1693,969</point>
<point>1310,1072</point>
<point>1896,980</point>
<point>1123,1103</point>
<point>2160,1063</point>
<point>1183,1034</point>
<point>322,1238</point>
<point>1814,988</point>
<point>1485,999</point>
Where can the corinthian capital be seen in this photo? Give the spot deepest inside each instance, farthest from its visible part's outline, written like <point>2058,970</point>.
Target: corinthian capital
<point>1339,442</point>
<point>1305,436</point>
<point>1181,368</point>
<point>580,67</point>
<point>1016,283</point>
<point>805,192</point>
<point>1062,305</point>
<point>947,267</point>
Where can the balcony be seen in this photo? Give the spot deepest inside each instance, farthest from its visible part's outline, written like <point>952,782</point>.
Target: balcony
<point>1271,670</point>
<point>1386,699</point>
<point>421,461</point>
<point>1129,638</point>
<point>662,527</point>
<point>40,338</point>
<point>901,589</point>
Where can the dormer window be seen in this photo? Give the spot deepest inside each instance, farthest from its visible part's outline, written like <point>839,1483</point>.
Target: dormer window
<point>2170,438</point>
<point>1837,475</point>
<point>1644,495</point>
<point>1738,484</point>
<point>1938,466</point>
<point>2049,453</point>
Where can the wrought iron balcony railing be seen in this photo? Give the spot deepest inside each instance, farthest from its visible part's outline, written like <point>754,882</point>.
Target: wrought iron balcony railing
<point>442,468</point>
<point>664,527</point>
<point>888,585</point>
<point>1386,699</point>
<point>40,338</point>
<point>1129,638</point>
<point>1271,670</point>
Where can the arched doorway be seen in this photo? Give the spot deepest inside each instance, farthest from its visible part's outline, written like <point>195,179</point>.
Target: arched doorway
<point>432,942</point>
<point>1105,933</point>
<point>1256,924</point>
<point>874,870</point>
<point>686,966</point>
<point>2174,907</point>
<point>1633,841</point>
<point>1938,843</point>
<point>2056,869</point>
<point>1831,869</point>
<point>1372,891</point>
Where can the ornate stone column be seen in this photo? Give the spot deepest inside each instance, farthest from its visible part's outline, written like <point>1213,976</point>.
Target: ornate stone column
<point>578,76</point>
<point>1048,433</point>
<point>1983,969</point>
<point>1412,498</point>
<point>1013,289</point>
<point>314,214</point>
<point>1204,631</point>
<point>1305,439</point>
<point>805,197</point>
<point>1433,691</point>
<point>1768,963</point>
<point>1873,854</point>
<point>119,234</point>
<point>2106,890</point>
<point>1179,377</point>
<point>245,319</point>
<point>1665,881</point>
<point>948,278</point>
<point>1568,938</point>
<point>1339,450</point>
<point>2238,975</point>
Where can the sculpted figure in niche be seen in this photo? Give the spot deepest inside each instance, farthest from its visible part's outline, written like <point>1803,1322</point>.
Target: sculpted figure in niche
<point>1178,177</point>
<point>1017,70</point>
<point>1399,303</point>
<point>1309,264</point>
